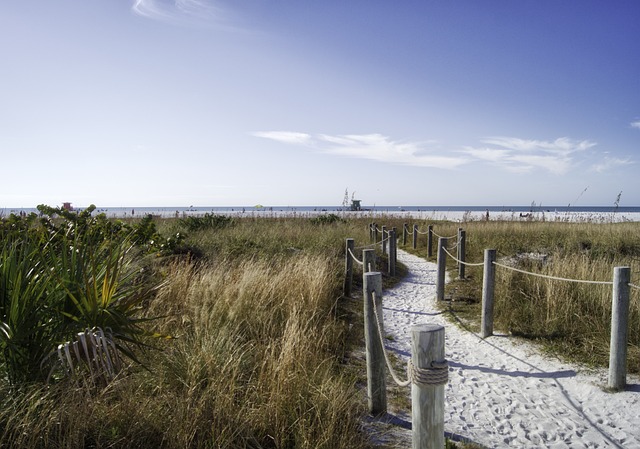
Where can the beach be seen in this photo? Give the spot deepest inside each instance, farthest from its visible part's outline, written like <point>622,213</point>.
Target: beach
<point>502,392</point>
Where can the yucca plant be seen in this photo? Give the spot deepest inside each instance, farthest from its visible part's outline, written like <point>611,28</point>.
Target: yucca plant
<point>63,279</point>
<point>99,291</point>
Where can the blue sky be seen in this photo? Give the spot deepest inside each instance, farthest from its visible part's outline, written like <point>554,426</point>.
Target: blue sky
<point>289,103</point>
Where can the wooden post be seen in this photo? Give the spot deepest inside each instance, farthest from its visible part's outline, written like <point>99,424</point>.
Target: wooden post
<point>348,272</point>
<point>427,401</point>
<point>395,245</point>
<point>375,233</point>
<point>385,234</point>
<point>371,237</point>
<point>462,236</point>
<point>488,287</point>
<point>404,234</point>
<point>392,252</point>
<point>442,268</point>
<point>619,328</point>
<point>415,236</point>
<point>376,383</point>
<point>429,241</point>
<point>369,260</point>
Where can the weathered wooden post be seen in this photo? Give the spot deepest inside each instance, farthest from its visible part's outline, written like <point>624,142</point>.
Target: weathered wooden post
<point>488,287</point>
<point>415,236</point>
<point>442,268</point>
<point>348,272</point>
<point>375,233</point>
<point>427,399</point>
<point>462,235</point>
<point>619,328</point>
<point>385,234</point>
<point>395,245</point>
<point>369,260</point>
<point>429,241</point>
<point>393,254</point>
<point>404,234</point>
<point>376,384</point>
<point>371,236</point>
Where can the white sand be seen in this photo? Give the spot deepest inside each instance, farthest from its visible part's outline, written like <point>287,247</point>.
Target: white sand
<point>501,393</point>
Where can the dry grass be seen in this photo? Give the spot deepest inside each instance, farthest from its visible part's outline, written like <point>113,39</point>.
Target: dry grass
<point>257,359</point>
<point>570,319</point>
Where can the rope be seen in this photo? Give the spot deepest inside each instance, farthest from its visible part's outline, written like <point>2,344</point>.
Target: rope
<point>451,237</point>
<point>355,259</point>
<point>463,263</point>
<point>423,233</point>
<point>371,245</point>
<point>637,287</point>
<point>555,278</point>
<point>436,374</point>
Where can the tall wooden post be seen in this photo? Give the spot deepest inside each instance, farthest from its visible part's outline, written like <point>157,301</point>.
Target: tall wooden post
<point>488,287</point>
<point>385,234</point>
<point>429,241</point>
<point>462,236</point>
<point>375,233</point>
<point>369,260</point>
<point>427,401</point>
<point>415,236</point>
<point>376,384</point>
<point>619,328</point>
<point>392,252</point>
<point>348,271</point>
<point>442,268</point>
<point>404,234</point>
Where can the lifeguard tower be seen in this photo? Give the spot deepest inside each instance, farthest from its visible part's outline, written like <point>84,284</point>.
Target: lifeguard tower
<point>355,205</point>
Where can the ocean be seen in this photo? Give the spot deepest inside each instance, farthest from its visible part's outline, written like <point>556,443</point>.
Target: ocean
<point>455,213</point>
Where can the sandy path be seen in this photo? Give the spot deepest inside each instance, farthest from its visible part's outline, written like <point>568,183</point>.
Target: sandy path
<point>500,392</point>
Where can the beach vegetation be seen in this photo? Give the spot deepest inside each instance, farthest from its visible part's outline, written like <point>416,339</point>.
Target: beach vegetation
<point>261,335</point>
<point>569,319</point>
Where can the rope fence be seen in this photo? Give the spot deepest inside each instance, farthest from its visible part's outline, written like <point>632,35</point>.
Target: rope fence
<point>619,310</point>
<point>440,237</point>
<point>355,259</point>
<point>427,370</point>
<point>555,278</point>
<point>436,374</point>
<point>468,264</point>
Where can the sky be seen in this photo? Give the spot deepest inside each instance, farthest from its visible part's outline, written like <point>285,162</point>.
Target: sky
<point>291,103</point>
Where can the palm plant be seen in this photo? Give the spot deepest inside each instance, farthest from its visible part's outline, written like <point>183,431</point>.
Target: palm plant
<point>24,286</point>
<point>69,300</point>
<point>100,288</point>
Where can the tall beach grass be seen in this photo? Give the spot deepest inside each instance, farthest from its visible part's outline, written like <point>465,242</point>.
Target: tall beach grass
<point>257,358</point>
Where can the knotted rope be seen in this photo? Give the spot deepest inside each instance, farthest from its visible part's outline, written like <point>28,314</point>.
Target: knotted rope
<point>436,374</point>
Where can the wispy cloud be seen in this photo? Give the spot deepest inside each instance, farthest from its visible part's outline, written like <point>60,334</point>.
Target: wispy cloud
<point>511,154</point>
<point>180,12</point>
<point>635,124</point>
<point>285,136</point>
<point>375,147</point>
<point>609,163</point>
<point>525,155</point>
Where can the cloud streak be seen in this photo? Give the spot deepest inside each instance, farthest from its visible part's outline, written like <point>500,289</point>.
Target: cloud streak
<point>376,147</point>
<point>524,155</point>
<point>609,163</point>
<point>511,154</point>
<point>179,12</point>
<point>635,124</point>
